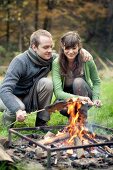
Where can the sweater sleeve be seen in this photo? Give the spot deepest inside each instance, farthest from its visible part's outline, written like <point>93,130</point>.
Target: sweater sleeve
<point>57,82</point>
<point>13,74</point>
<point>95,80</point>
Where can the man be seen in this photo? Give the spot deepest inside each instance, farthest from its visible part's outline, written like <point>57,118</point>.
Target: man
<point>26,87</point>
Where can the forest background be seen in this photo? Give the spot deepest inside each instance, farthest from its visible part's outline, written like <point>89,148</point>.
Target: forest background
<point>93,19</point>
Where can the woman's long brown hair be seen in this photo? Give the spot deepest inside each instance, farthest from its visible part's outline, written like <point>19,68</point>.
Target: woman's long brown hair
<point>70,40</point>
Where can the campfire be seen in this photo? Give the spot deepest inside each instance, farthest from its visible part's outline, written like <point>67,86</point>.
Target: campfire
<point>77,123</point>
<point>73,145</point>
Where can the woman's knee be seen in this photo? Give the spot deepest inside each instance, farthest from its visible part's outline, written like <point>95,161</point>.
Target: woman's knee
<point>78,86</point>
<point>78,81</point>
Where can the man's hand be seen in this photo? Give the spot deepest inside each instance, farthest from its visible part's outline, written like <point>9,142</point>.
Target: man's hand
<point>97,103</point>
<point>85,55</point>
<point>21,115</point>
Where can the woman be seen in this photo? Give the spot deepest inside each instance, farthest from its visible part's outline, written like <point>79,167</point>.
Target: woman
<point>72,77</point>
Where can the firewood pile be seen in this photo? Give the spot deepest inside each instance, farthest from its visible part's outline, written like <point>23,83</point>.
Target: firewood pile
<point>91,157</point>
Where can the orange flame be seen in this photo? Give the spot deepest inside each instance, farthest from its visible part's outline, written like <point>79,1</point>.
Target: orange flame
<point>76,127</point>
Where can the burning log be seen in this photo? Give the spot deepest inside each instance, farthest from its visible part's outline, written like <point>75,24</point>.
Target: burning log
<point>56,138</point>
<point>49,135</point>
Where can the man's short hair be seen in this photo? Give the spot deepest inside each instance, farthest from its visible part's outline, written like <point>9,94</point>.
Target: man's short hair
<point>35,37</point>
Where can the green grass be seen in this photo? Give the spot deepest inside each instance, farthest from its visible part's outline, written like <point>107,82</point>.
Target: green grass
<point>102,116</point>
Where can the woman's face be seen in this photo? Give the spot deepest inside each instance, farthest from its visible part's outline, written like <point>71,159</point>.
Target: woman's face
<point>71,52</point>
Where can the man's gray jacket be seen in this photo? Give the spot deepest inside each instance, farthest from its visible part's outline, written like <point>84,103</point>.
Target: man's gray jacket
<point>20,77</point>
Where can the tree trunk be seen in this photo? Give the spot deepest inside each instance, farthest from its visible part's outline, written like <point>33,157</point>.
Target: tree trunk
<point>47,23</point>
<point>20,38</point>
<point>48,19</point>
<point>8,25</point>
<point>36,13</point>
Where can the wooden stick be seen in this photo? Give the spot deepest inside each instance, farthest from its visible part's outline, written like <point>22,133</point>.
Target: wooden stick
<point>26,116</point>
<point>106,148</point>
<point>57,138</point>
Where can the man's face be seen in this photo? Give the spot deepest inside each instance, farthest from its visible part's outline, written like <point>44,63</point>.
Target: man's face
<point>44,50</point>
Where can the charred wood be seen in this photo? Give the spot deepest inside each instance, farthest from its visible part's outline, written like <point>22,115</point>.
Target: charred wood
<point>79,152</point>
<point>56,138</point>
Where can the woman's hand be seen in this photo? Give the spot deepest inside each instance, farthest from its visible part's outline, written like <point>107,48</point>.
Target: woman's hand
<point>85,55</point>
<point>97,103</point>
<point>86,100</point>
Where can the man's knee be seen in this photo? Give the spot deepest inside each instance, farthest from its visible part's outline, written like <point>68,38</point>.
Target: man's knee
<point>46,83</point>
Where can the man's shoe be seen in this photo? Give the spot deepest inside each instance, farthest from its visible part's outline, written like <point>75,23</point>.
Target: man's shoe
<point>40,122</point>
<point>64,113</point>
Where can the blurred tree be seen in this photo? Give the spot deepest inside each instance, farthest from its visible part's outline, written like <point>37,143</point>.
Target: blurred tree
<point>51,4</point>
<point>110,21</point>
<point>8,23</point>
<point>92,19</point>
<point>36,13</point>
<point>6,12</point>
